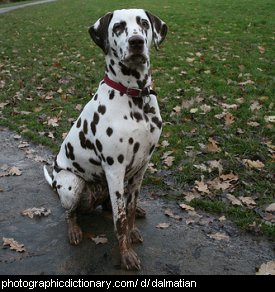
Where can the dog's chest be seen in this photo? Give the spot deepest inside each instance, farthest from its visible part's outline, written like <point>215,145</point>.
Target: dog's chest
<point>113,129</point>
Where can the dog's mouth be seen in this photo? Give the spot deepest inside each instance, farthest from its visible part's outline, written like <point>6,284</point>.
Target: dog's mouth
<point>135,59</point>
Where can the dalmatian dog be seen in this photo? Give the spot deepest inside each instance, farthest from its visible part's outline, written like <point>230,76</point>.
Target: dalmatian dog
<point>106,152</point>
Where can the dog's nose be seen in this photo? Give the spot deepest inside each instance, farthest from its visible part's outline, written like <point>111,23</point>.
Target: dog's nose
<point>136,42</point>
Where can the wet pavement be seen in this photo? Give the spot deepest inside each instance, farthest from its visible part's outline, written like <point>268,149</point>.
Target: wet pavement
<point>183,248</point>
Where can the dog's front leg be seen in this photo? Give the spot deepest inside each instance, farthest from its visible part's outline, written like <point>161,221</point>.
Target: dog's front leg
<point>115,180</point>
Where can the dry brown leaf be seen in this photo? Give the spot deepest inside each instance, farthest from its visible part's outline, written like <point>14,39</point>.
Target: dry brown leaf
<point>234,200</point>
<point>216,184</point>
<point>253,164</point>
<point>206,108</point>
<point>164,143</point>
<point>189,196</point>
<point>248,201</point>
<point>79,107</point>
<point>193,110</point>
<point>186,207</point>
<point>168,212</point>
<point>23,145</point>
<point>219,236</point>
<point>222,218</point>
<point>168,161</point>
<point>216,164</point>
<point>253,124</point>
<point>31,212</point>
<point>100,239</point>
<point>50,135</point>
<point>16,137</point>
<point>163,225</point>
<point>270,119</point>
<point>261,49</point>
<point>229,119</point>
<point>212,145</point>
<point>230,176</point>
<point>152,168</point>
<point>177,109</point>
<point>267,268</point>
<point>14,245</point>
<point>53,122</point>
<point>255,106</point>
<point>201,186</point>
<point>14,171</point>
<point>271,208</point>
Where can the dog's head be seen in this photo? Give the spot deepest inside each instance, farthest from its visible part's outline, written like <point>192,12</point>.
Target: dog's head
<point>127,35</point>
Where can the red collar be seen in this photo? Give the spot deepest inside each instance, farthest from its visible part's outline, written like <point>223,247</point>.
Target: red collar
<point>133,92</point>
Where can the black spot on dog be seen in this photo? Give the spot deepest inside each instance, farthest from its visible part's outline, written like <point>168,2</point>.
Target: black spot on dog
<point>125,118</point>
<point>131,115</point>
<point>136,147</point>
<point>112,94</point>
<point>112,61</point>
<point>109,131</point>
<point>78,167</point>
<point>152,128</point>
<point>102,109</point>
<point>128,71</point>
<point>103,157</point>
<point>85,127</point>
<point>78,124</point>
<point>94,161</point>
<point>95,97</point>
<point>93,127</point>
<point>131,141</point>
<point>138,116</point>
<point>96,118</point>
<point>138,20</point>
<point>138,102</point>
<point>70,188</point>
<point>157,122</point>
<point>118,195</point>
<point>130,104</point>
<point>98,145</point>
<point>120,140</point>
<point>110,160</point>
<point>54,184</point>
<point>71,151</point>
<point>114,52</point>
<point>112,69</point>
<point>120,158</point>
<point>82,139</point>
<point>151,149</point>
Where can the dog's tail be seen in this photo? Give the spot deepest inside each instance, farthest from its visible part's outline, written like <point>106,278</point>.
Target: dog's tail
<point>47,176</point>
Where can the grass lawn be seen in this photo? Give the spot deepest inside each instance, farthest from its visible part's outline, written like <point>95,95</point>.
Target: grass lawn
<point>215,79</point>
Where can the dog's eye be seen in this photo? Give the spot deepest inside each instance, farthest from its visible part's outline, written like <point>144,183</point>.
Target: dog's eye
<point>145,23</point>
<point>119,27</point>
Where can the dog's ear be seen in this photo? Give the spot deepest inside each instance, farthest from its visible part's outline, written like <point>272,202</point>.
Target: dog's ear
<point>159,29</point>
<point>99,32</point>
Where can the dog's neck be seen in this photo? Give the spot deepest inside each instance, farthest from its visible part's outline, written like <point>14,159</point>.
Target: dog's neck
<point>129,77</point>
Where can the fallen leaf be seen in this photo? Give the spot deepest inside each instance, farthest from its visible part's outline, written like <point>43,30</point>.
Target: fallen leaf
<point>255,106</point>
<point>253,124</point>
<point>229,119</point>
<point>14,171</point>
<point>216,164</point>
<point>100,239</point>
<point>177,109</point>
<point>201,186</point>
<point>186,207</point>
<point>189,221</point>
<point>246,82</point>
<point>212,145</point>
<point>169,160</point>
<point>14,245</point>
<point>267,268</point>
<point>219,236</point>
<point>79,107</point>
<point>261,49</point>
<point>152,168</point>
<point>53,122</point>
<point>234,200</point>
<point>216,184</point>
<point>164,143</point>
<point>222,218</point>
<point>190,60</point>
<point>31,212</point>
<point>248,201</point>
<point>271,208</point>
<point>230,176</point>
<point>50,135</point>
<point>270,119</point>
<point>193,110</point>
<point>168,212</point>
<point>16,137</point>
<point>163,225</point>
<point>189,196</point>
<point>3,104</point>
<point>253,164</point>
<point>23,145</point>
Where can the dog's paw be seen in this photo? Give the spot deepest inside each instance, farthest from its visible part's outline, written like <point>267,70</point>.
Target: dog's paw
<point>136,236</point>
<point>140,213</point>
<point>75,234</point>
<point>130,260</point>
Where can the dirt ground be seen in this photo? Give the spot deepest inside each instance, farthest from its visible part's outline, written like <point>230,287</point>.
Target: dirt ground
<point>184,248</point>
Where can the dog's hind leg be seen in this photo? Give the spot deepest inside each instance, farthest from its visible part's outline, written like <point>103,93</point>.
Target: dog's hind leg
<point>69,188</point>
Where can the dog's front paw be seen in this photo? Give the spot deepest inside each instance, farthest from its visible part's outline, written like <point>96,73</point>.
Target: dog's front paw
<point>136,236</point>
<point>75,234</point>
<point>130,260</point>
